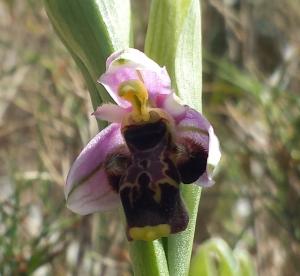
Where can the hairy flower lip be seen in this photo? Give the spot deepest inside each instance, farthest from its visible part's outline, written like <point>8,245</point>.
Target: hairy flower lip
<point>145,136</point>
<point>88,188</point>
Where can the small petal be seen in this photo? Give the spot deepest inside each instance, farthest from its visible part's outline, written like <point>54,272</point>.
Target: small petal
<point>131,64</point>
<point>171,104</point>
<point>111,113</point>
<point>200,147</point>
<point>87,189</point>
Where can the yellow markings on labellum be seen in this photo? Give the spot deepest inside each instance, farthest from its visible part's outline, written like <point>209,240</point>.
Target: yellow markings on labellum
<point>149,233</point>
<point>135,92</point>
<point>156,187</point>
<point>165,181</point>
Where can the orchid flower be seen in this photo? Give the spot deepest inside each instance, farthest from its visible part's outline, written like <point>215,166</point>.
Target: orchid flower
<point>153,144</point>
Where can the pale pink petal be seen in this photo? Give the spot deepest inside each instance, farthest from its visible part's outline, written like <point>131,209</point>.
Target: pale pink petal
<point>171,104</point>
<point>93,195</point>
<point>131,64</point>
<point>111,113</point>
<point>157,82</point>
<point>131,57</point>
<point>87,189</point>
<point>112,79</point>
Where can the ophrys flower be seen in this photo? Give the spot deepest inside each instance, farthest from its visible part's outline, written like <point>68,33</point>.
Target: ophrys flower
<point>153,144</point>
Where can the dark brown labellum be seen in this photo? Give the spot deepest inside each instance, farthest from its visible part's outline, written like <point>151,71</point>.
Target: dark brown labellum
<point>148,178</point>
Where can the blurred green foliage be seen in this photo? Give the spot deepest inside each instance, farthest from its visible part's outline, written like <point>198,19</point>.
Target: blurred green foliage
<point>214,257</point>
<point>251,94</point>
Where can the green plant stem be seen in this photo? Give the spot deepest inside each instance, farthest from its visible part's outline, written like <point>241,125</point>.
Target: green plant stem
<point>148,258</point>
<point>174,40</point>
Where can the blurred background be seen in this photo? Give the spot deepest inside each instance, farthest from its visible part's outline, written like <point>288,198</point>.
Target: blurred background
<point>251,95</point>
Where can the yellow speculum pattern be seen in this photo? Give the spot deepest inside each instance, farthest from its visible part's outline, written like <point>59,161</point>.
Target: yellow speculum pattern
<point>150,233</point>
<point>135,92</point>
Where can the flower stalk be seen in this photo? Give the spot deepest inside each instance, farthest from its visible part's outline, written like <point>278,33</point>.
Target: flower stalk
<point>180,22</point>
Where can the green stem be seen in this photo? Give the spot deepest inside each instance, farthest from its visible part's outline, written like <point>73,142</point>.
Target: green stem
<point>148,258</point>
<point>174,40</point>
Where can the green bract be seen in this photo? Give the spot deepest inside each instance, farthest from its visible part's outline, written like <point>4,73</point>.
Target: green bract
<point>91,30</point>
